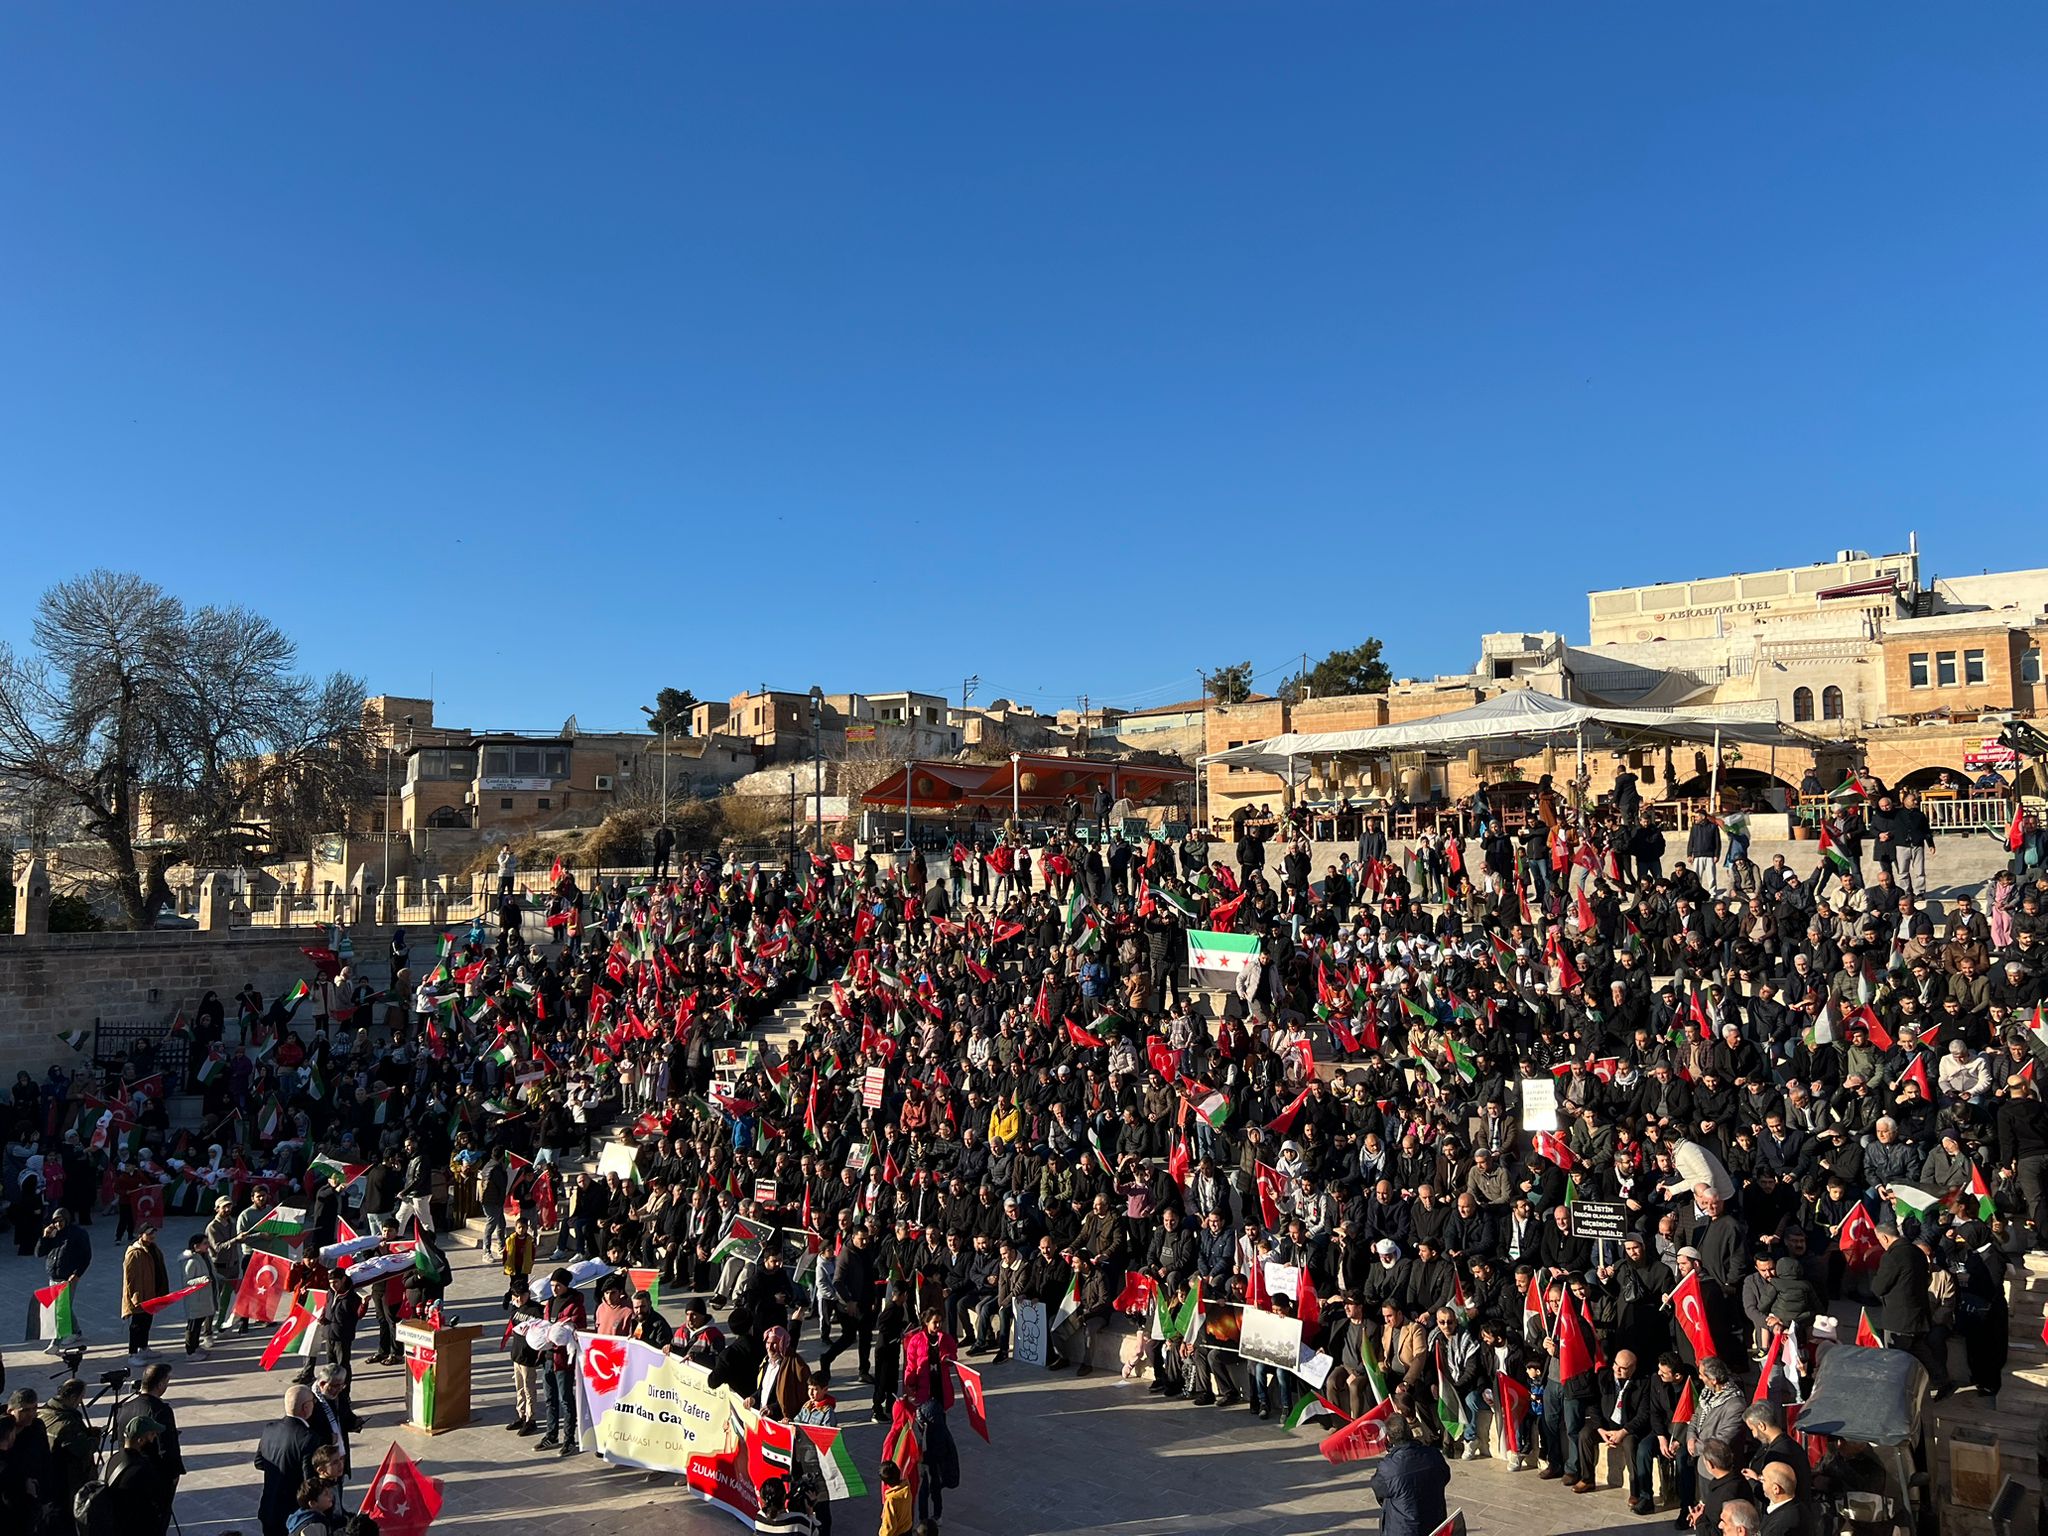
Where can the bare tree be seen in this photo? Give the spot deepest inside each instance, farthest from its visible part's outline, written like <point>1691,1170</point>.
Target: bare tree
<point>179,735</point>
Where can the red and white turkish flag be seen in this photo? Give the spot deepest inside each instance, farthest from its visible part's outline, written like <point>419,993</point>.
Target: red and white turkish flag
<point>402,1499</point>
<point>264,1296</point>
<point>1691,1310</point>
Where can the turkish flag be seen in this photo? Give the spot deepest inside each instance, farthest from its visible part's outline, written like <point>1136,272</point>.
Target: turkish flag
<point>1307,1307</point>
<point>1690,1306</point>
<point>401,1498</point>
<point>148,1202</point>
<point>1136,1296</point>
<point>1858,1239</point>
<point>975,1399</point>
<point>1363,1437</point>
<point>263,1295</point>
<point>771,1449</point>
<point>1682,1414</point>
<point>1513,1397</point>
<point>1574,1352</point>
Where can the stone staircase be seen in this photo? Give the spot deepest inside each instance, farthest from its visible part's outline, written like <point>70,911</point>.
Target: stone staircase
<point>1977,1446</point>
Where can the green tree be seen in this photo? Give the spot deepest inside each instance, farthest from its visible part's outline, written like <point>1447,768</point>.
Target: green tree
<point>1230,685</point>
<point>1341,673</point>
<point>672,708</point>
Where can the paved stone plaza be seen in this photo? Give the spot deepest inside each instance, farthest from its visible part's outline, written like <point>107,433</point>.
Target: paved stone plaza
<point>1067,1455</point>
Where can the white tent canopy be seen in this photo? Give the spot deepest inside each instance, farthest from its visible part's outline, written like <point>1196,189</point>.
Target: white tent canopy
<point>1508,726</point>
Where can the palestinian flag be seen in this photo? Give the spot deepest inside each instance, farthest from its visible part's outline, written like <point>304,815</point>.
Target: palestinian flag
<point>1418,1013</point>
<point>742,1239</point>
<point>502,1051</point>
<point>1375,1378</point>
<point>1178,1323</point>
<point>1303,1406</point>
<point>1910,1202</point>
<point>1069,1303</point>
<point>286,1221</point>
<point>296,996</point>
<point>822,1450</point>
<point>1866,1335</point>
<point>324,1167</point>
<point>1450,1405</point>
<point>1462,1060</point>
<point>1833,854</point>
<point>211,1066</point>
<point>1214,1108</point>
<point>53,1308</point>
<point>420,1372</point>
<point>648,1280</point>
<point>1981,1193</point>
<point>75,1038</point>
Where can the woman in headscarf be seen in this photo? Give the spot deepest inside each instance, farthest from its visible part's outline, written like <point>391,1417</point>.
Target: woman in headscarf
<point>28,1206</point>
<point>785,1381</point>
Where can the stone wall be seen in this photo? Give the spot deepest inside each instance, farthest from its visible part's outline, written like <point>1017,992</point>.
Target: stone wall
<point>55,982</point>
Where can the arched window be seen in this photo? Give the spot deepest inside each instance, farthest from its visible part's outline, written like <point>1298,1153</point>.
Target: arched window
<point>447,818</point>
<point>1831,703</point>
<point>1802,703</point>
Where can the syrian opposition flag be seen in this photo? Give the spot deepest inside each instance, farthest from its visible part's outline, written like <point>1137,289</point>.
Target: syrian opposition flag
<point>402,1499</point>
<point>1513,1397</point>
<point>822,1451</point>
<point>157,1304</point>
<point>1221,954</point>
<point>1690,1307</point>
<point>53,1310</point>
<point>75,1038</point>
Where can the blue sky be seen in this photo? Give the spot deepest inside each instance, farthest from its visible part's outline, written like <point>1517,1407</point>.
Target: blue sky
<point>564,351</point>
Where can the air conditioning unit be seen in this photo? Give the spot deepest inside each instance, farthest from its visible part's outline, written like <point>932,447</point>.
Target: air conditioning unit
<point>469,797</point>
<point>604,781</point>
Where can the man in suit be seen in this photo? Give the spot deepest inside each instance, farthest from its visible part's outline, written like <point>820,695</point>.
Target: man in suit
<point>284,1455</point>
<point>1628,1407</point>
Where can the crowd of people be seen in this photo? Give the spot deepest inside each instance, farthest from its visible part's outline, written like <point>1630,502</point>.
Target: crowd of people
<point>1804,1092</point>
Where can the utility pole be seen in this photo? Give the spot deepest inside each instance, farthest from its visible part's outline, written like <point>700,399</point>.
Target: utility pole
<point>1081,734</point>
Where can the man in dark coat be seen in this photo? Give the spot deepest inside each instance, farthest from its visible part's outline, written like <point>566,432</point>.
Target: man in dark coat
<point>284,1455</point>
<point>1900,1286</point>
<point>1410,1483</point>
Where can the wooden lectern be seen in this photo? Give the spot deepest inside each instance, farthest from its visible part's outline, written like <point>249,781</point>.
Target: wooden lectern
<point>436,1375</point>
